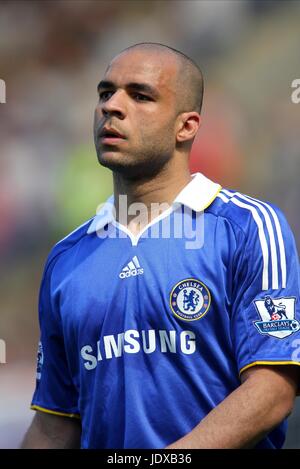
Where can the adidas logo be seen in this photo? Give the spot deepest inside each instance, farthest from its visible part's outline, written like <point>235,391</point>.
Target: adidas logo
<point>132,269</point>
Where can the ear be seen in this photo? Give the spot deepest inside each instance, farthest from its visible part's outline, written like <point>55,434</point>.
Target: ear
<point>188,125</point>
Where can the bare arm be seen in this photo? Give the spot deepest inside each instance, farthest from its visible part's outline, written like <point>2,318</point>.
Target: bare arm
<point>48,431</point>
<point>265,397</point>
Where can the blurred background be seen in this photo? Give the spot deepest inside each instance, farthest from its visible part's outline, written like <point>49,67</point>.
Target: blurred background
<point>52,56</point>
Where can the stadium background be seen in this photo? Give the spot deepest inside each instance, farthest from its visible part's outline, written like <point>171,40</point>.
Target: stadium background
<point>52,55</point>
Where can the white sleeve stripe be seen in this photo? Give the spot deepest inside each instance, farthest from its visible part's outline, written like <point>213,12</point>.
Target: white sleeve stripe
<point>262,237</point>
<point>278,231</point>
<point>222,196</point>
<point>271,236</point>
<point>280,242</point>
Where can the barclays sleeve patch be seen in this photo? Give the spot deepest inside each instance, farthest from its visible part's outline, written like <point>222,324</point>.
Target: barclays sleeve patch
<point>277,316</point>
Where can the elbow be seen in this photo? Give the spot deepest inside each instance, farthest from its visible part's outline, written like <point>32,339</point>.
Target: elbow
<point>287,407</point>
<point>286,395</point>
<point>282,408</point>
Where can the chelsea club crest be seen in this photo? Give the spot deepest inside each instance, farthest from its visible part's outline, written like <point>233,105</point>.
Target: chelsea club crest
<point>190,299</point>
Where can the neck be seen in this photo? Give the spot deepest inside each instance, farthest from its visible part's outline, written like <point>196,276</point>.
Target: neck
<point>161,189</point>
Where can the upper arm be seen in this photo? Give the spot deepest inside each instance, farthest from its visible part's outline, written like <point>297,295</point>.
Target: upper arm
<point>56,390</point>
<point>51,431</point>
<point>266,307</point>
<point>284,379</point>
<point>278,384</point>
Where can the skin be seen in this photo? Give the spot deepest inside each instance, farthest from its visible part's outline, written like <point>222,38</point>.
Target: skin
<point>151,165</point>
<point>48,431</point>
<point>265,397</point>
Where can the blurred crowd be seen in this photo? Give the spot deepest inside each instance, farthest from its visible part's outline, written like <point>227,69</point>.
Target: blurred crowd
<point>53,54</point>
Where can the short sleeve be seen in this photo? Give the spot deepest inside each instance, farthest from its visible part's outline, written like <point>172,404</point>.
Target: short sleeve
<point>265,305</point>
<point>55,392</point>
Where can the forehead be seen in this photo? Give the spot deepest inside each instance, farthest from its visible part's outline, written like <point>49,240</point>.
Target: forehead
<point>158,69</point>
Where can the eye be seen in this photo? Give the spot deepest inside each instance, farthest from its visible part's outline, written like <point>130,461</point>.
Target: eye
<point>141,97</point>
<point>105,95</point>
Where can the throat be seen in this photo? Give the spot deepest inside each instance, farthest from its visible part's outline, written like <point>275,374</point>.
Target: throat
<point>137,222</point>
<point>141,204</point>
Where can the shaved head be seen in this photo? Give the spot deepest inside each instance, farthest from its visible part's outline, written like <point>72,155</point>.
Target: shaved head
<point>189,80</point>
<point>151,96</point>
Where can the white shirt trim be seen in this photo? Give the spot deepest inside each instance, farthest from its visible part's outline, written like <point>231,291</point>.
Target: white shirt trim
<point>198,194</point>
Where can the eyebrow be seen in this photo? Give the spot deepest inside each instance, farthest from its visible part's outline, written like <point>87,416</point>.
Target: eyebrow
<point>143,87</point>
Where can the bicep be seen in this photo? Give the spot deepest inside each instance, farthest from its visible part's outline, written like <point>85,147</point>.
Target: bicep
<point>279,382</point>
<point>49,431</point>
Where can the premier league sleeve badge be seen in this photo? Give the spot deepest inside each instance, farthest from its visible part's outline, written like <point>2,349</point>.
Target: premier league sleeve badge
<point>277,316</point>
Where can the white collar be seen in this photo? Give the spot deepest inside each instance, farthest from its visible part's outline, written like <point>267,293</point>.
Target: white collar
<point>198,194</point>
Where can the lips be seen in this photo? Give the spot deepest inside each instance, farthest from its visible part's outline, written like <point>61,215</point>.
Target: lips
<point>110,133</point>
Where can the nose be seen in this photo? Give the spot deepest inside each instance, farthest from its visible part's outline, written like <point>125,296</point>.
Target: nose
<point>114,106</point>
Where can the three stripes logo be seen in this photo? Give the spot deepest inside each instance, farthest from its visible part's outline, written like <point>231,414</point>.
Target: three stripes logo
<point>132,269</point>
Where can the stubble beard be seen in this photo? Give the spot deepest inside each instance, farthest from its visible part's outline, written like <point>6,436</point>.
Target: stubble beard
<point>145,163</point>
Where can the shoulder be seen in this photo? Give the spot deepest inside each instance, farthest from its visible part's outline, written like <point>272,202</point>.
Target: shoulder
<point>248,214</point>
<point>68,242</point>
<point>268,238</point>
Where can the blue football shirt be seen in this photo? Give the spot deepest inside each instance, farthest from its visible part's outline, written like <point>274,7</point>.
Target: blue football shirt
<point>142,336</point>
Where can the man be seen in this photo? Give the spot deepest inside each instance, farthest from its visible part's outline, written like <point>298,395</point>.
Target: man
<point>149,339</point>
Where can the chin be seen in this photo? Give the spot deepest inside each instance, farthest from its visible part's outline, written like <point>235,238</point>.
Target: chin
<point>113,160</point>
<point>129,166</point>
<point>132,172</point>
